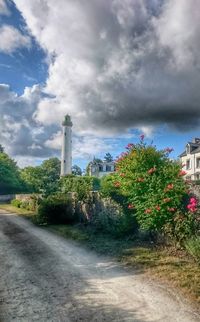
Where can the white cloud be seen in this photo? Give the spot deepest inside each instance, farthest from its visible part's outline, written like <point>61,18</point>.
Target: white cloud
<point>112,63</point>
<point>12,39</point>
<point>114,66</point>
<point>4,8</point>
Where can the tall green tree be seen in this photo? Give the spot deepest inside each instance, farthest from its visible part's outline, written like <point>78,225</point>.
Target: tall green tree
<point>10,181</point>
<point>76,170</point>
<point>108,157</point>
<point>43,178</point>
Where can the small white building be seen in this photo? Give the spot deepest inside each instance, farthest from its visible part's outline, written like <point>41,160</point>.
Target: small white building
<point>191,159</point>
<point>100,169</point>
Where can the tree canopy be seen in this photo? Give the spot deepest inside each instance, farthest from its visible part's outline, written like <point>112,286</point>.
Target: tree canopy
<point>10,181</point>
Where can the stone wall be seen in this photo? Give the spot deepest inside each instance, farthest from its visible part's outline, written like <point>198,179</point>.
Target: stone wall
<point>94,205</point>
<point>6,198</point>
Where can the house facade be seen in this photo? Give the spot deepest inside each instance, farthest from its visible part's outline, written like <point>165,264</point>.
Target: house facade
<point>190,158</point>
<point>100,169</point>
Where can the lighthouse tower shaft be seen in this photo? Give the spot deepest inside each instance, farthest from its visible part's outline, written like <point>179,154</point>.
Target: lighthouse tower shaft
<point>66,155</point>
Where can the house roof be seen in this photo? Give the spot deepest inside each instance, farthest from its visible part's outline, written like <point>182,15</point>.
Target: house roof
<point>195,149</point>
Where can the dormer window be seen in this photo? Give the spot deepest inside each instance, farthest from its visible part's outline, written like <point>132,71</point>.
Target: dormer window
<point>188,149</point>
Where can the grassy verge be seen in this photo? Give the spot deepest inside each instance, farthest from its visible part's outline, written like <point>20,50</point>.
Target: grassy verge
<point>163,263</point>
<point>166,264</point>
<point>20,211</point>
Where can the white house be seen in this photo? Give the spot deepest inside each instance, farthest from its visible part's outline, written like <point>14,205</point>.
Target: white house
<point>100,169</point>
<point>191,159</point>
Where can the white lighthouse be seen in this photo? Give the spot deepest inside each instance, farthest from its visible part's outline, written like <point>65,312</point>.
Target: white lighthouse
<point>66,156</point>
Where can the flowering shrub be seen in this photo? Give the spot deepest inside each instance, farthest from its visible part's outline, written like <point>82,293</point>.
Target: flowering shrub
<point>153,185</point>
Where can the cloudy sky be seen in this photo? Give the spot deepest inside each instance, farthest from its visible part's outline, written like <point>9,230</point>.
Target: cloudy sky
<point>119,68</point>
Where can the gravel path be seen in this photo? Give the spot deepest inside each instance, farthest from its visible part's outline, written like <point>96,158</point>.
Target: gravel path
<point>46,278</point>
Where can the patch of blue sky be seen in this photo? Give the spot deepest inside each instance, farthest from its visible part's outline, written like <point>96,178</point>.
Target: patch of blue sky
<point>25,66</point>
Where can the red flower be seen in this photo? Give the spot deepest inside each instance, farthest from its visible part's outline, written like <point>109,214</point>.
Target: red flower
<point>171,209</point>
<point>158,208</point>
<point>129,146</point>
<point>122,174</point>
<point>152,170</point>
<point>148,211</point>
<point>169,150</point>
<point>131,206</point>
<point>170,186</point>
<point>182,173</point>
<point>140,180</point>
<point>117,184</point>
<point>167,199</point>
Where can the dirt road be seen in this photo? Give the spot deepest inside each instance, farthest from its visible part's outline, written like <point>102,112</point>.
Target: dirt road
<point>46,278</point>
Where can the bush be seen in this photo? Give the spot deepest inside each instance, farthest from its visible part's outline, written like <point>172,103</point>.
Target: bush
<point>152,183</point>
<point>16,203</point>
<point>81,185</point>
<point>55,210</point>
<point>193,247</point>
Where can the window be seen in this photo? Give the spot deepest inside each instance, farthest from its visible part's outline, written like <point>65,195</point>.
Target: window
<point>198,162</point>
<point>197,177</point>
<point>108,168</point>
<point>188,164</point>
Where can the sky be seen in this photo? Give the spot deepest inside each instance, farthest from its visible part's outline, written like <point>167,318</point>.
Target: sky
<point>119,68</point>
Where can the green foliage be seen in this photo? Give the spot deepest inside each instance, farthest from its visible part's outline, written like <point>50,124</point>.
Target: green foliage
<point>10,181</point>
<point>81,185</point>
<point>55,209</point>
<point>76,170</point>
<point>126,222</point>
<point>108,157</point>
<point>152,183</point>
<point>16,203</point>
<point>193,247</point>
<point>43,178</point>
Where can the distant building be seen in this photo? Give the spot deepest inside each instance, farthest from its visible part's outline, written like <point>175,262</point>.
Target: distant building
<point>101,168</point>
<point>191,159</point>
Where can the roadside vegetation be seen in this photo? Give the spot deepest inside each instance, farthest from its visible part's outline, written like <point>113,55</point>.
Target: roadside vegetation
<point>146,215</point>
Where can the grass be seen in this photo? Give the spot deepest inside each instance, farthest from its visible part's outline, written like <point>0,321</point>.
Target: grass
<point>20,211</point>
<point>162,263</point>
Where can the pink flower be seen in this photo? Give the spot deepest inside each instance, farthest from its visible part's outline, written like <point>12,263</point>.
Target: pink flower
<point>152,170</point>
<point>122,174</point>
<point>148,211</point>
<point>131,206</point>
<point>193,200</point>
<point>142,137</point>
<point>158,208</point>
